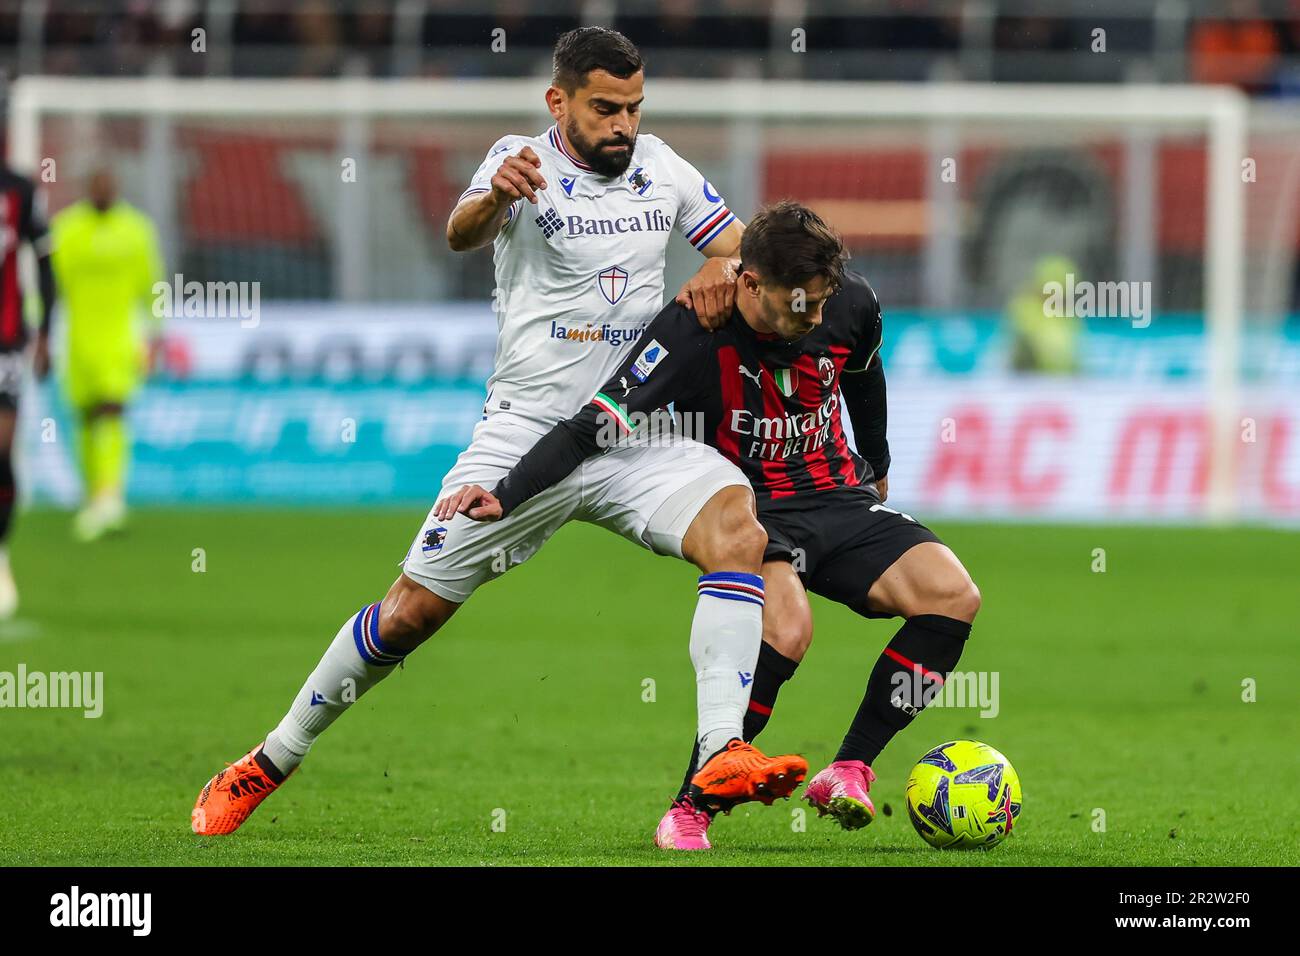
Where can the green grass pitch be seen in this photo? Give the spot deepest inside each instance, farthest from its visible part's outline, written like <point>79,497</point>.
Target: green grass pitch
<point>1120,694</point>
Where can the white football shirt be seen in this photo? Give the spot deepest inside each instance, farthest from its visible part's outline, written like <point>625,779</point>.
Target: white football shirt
<point>581,274</point>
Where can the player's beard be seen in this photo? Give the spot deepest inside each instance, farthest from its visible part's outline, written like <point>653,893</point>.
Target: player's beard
<point>596,156</point>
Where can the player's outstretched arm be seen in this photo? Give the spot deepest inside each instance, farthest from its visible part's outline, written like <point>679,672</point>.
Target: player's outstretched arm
<point>711,292</point>
<point>865,399</point>
<point>863,382</point>
<point>726,244</point>
<point>473,500</point>
<point>477,219</point>
<point>547,463</point>
<point>662,367</point>
<point>706,222</point>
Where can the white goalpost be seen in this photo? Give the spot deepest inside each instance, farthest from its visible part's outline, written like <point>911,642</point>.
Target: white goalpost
<point>54,124</point>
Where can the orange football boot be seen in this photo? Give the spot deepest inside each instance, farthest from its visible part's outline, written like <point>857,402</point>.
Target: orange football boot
<point>230,798</point>
<point>741,772</point>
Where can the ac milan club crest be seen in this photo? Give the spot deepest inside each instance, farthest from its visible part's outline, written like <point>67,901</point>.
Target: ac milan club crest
<point>826,369</point>
<point>613,283</point>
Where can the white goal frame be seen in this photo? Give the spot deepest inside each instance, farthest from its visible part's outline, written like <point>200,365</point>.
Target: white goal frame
<point>1221,113</point>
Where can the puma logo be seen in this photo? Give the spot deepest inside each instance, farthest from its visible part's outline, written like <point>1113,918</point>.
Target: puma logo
<point>756,376</point>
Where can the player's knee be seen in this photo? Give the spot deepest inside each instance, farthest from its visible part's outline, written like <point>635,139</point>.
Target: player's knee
<point>743,538</point>
<point>730,537</point>
<point>952,595</point>
<point>403,627</point>
<point>410,615</point>
<point>788,638</point>
<point>968,602</point>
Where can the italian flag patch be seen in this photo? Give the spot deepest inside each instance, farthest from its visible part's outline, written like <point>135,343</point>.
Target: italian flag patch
<point>787,380</point>
<point>614,410</point>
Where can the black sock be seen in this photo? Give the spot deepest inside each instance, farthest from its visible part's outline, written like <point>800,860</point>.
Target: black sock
<point>6,495</point>
<point>685,790</point>
<point>268,768</point>
<point>773,670</point>
<point>935,643</point>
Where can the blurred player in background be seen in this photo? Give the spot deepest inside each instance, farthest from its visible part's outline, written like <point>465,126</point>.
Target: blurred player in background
<point>106,261</point>
<point>1041,341</point>
<point>24,221</point>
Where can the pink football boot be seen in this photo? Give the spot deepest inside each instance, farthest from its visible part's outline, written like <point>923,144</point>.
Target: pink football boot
<point>841,790</point>
<point>683,828</point>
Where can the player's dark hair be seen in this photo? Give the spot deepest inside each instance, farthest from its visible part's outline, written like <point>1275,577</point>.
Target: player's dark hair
<point>789,244</point>
<point>580,51</point>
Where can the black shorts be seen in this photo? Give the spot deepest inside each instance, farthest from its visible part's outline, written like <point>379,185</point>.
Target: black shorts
<point>12,365</point>
<point>839,541</point>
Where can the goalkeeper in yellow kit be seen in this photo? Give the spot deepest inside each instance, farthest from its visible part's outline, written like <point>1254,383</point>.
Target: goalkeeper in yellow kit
<point>106,262</point>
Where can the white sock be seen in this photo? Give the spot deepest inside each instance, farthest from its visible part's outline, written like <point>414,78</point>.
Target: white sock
<point>354,662</point>
<point>725,638</point>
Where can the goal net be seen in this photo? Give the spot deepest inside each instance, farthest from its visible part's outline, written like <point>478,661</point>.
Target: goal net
<point>1088,291</point>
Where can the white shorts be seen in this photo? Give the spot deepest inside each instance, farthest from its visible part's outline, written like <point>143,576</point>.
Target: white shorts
<point>649,494</point>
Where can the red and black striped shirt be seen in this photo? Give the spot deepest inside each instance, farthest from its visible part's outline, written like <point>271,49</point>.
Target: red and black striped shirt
<point>22,219</point>
<point>769,405</point>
